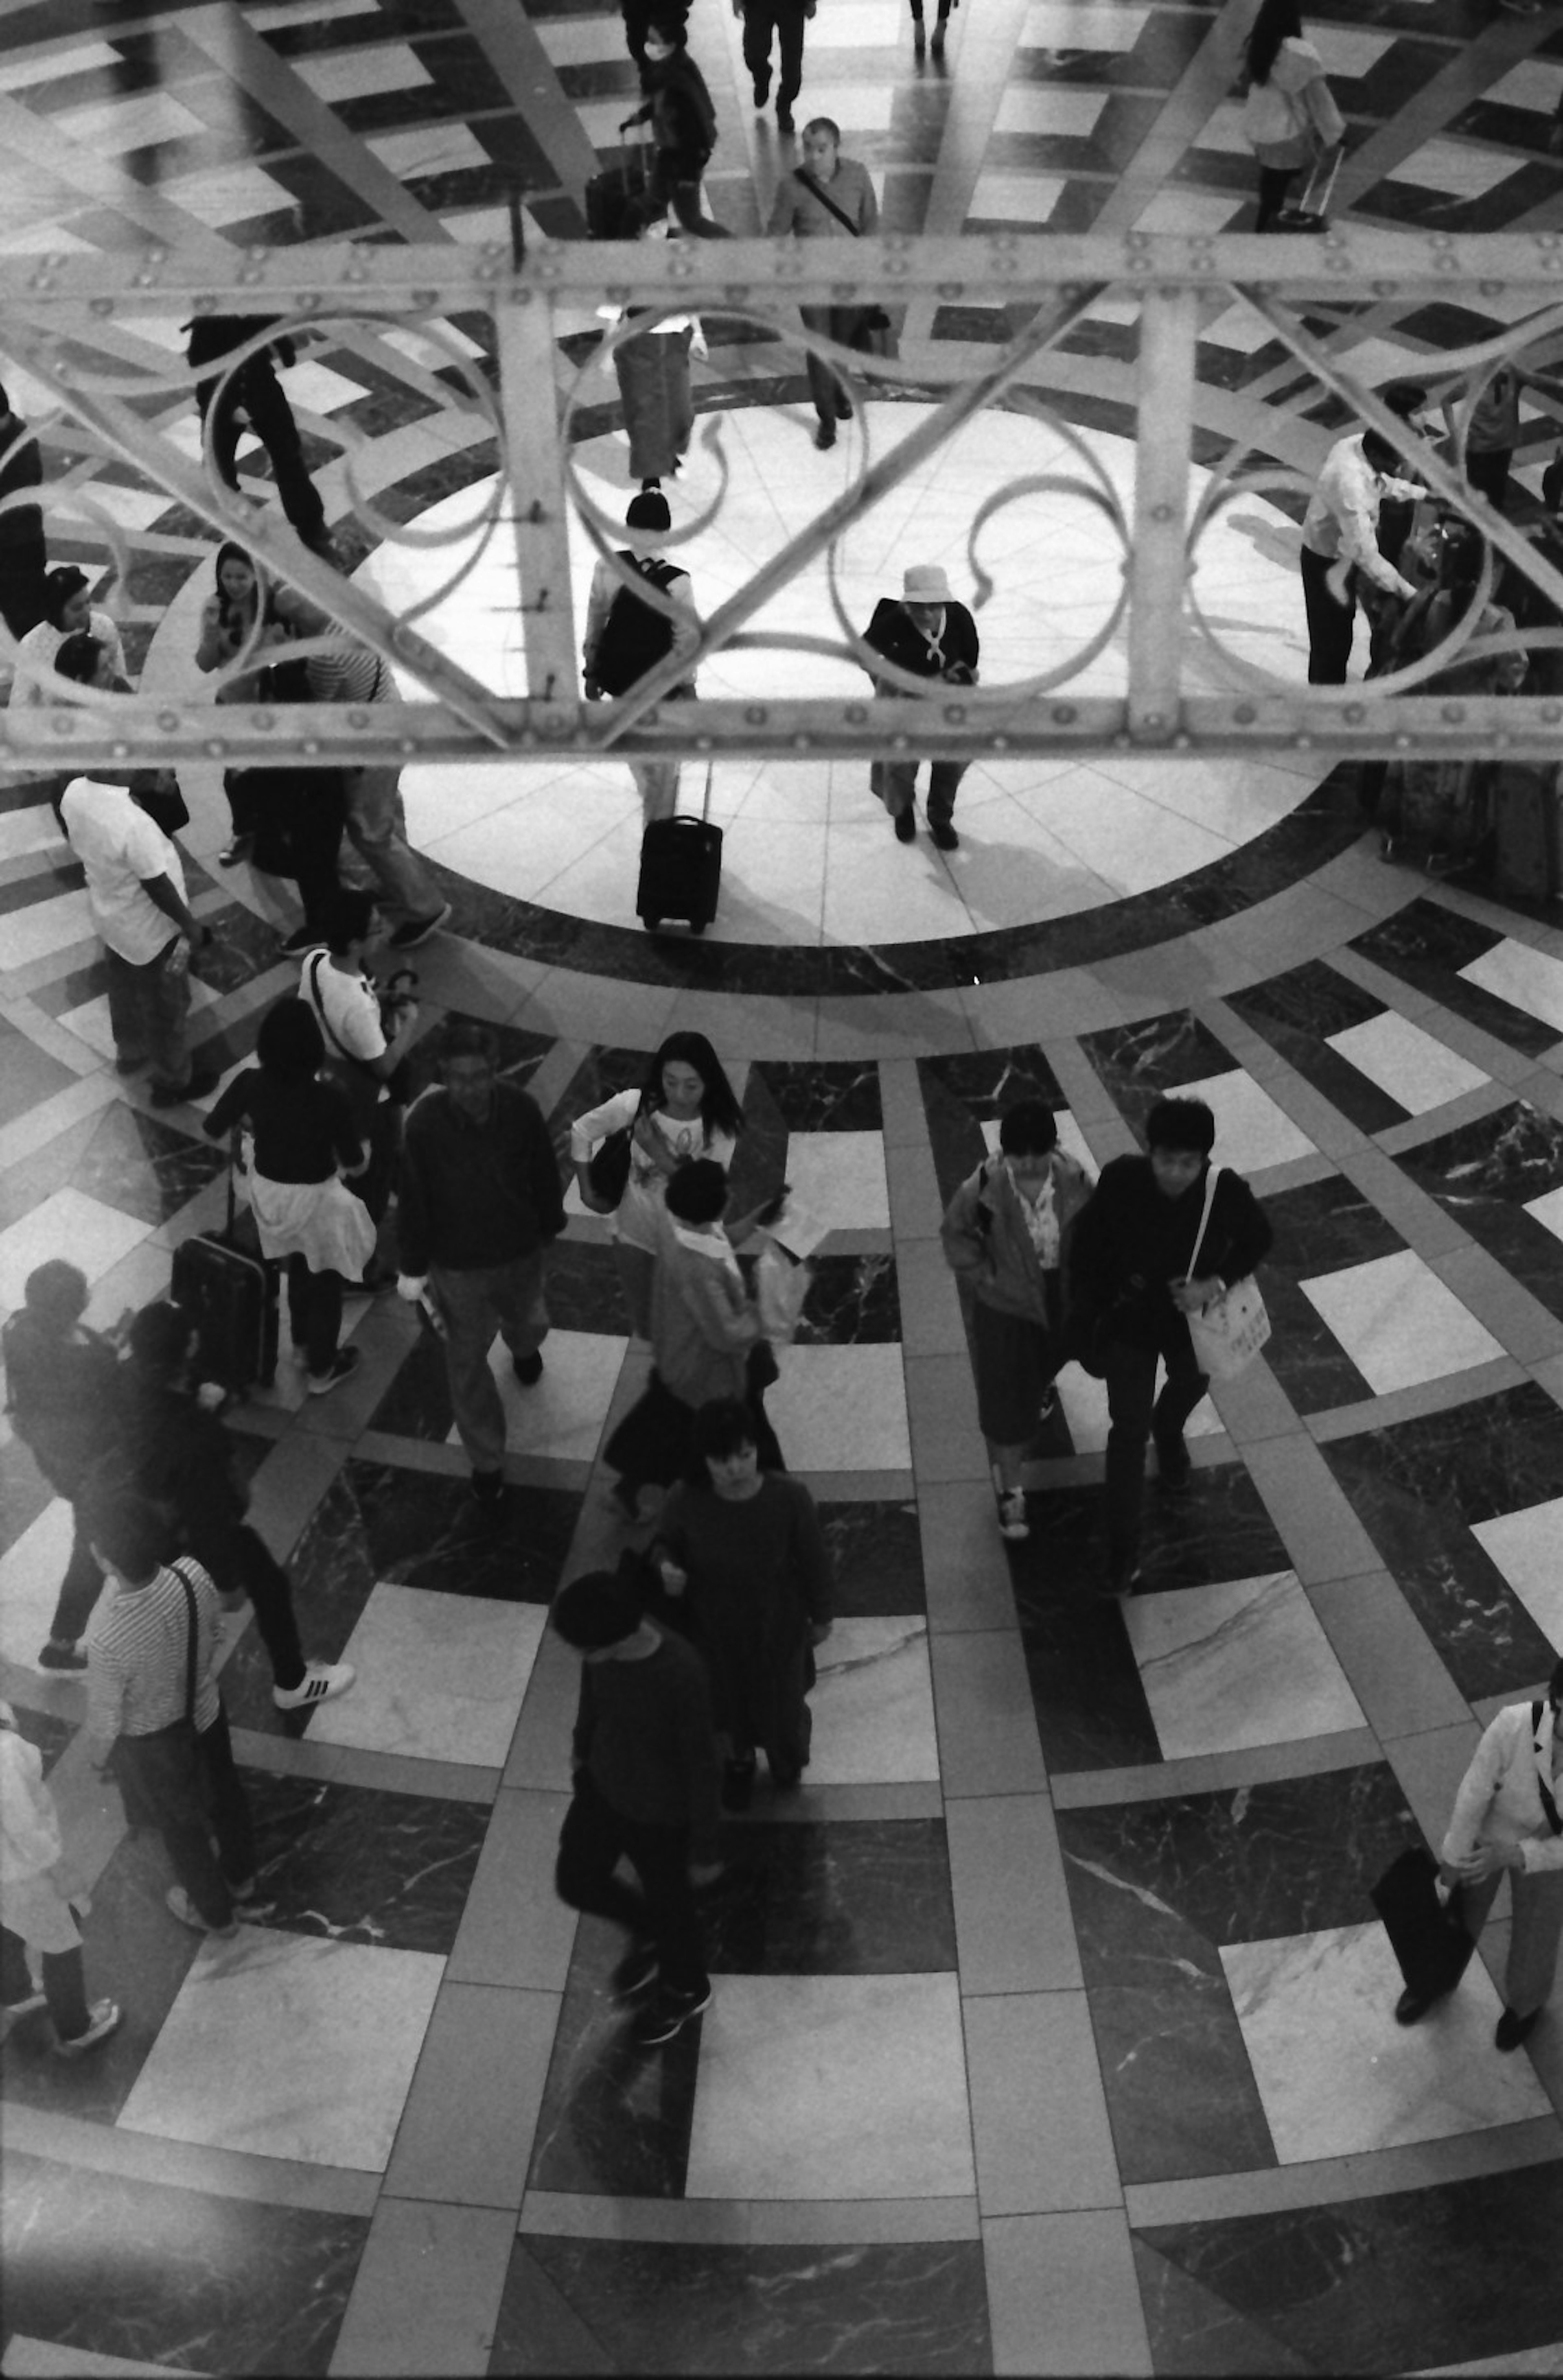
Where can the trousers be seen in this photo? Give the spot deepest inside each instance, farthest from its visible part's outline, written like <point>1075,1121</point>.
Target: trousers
<point>1330,624</point>
<point>189,1793</point>
<point>474,1304</point>
<point>657,781</point>
<point>315,1311</point>
<point>256,390</point>
<point>79,1588</point>
<point>1134,1411</point>
<point>64,1985</point>
<point>239,1557</point>
<point>1533,1938</point>
<point>149,1013</point>
<point>781,22</point>
<point>377,829</point>
<point>895,783</point>
<point>837,323</point>
<point>595,1838</point>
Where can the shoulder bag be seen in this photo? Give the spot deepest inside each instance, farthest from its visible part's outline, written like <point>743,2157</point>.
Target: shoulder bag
<point>1228,1332</point>
<point>873,334</point>
<point>608,1171</point>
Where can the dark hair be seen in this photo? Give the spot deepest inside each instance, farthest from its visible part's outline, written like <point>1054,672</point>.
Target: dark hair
<point>1377,450</point>
<point>79,657</point>
<point>130,1532</point>
<point>467,1036</point>
<point>159,1338</point>
<point>1554,1684</point>
<point>719,1110</point>
<point>290,1042</point>
<point>229,551</point>
<point>671,29</point>
<point>648,510</point>
<point>1402,397</point>
<point>57,1293</point>
<point>824,123</point>
<point>59,586</point>
<point>1027,1129</point>
<point>1278,21</point>
<point>1180,1123</point>
<point>601,1608</point>
<point>696,1193</point>
<point>350,918</point>
<point>721,1428</point>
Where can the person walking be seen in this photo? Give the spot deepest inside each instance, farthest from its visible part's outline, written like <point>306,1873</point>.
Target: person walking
<point>173,1453</point>
<point>779,23</point>
<point>39,1908</point>
<point>62,1401</point>
<point>741,1550</point>
<point>1492,428</point>
<point>652,372</point>
<point>24,558</point>
<point>626,637</point>
<point>135,894</point>
<point>929,635</point>
<point>306,1149</point>
<point>366,1036</point>
<point>828,196</point>
<point>686,1109</point>
<point>1341,547</point>
<point>1005,1235</point>
<point>254,390</point>
<point>1129,1290</point>
<point>480,1202</point>
<point>1507,1816</point>
<point>678,108</point>
<point>69,611</point>
<point>646,1788</point>
<point>1289,114</point>
<point>919,42</point>
<point>153,1703</point>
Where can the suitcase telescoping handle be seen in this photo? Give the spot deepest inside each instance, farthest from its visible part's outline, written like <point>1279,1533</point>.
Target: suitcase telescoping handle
<point>234,1160</point>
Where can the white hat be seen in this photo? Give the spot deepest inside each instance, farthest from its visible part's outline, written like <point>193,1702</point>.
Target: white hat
<point>925,582</point>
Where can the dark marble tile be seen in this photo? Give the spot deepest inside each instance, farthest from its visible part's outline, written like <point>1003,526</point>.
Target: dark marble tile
<point>1418,1485</point>
<point>1456,2274</point>
<point>871,1897</point>
<point>244,946</point>
<point>876,1554</point>
<point>962,1092</point>
<point>1295,1011</point>
<point>1157,1889</point>
<point>615,2117</point>
<point>824,1095</point>
<point>389,1869</point>
<point>1485,1174</point>
<point>100,2264</point>
<point>583,1289</point>
<point>852,1301</point>
<point>24,1492</point>
<point>48,879</point>
<point>128,1160</point>
<point>1322,1228</point>
<point>416,1405</point>
<point>1141,1063</point>
<point>1086,1690</point>
<point>1425,944</point>
<point>605,2306</point>
<point>1220,1530</point>
<point>520,1052</point>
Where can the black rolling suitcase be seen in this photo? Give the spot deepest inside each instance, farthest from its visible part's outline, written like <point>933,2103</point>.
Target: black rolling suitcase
<point>1427,1935</point>
<point>230,1295</point>
<point>1528,828</point>
<point>680,868</point>
<point>611,193</point>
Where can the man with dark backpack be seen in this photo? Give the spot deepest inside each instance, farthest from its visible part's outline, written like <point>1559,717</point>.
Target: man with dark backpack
<point>625,637</point>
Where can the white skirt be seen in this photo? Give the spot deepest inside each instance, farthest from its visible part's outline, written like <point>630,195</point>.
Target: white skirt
<point>35,1908</point>
<point>321,1222</point>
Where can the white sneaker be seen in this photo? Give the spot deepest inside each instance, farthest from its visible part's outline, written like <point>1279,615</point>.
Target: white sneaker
<point>320,1681</point>
<point>14,2013</point>
<point>102,2017</point>
<point>185,1910</point>
<point>1012,1521</point>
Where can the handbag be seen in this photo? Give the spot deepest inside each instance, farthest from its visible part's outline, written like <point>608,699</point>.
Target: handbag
<point>1428,1936</point>
<point>1228,1332</point>
<point>608,1171</point>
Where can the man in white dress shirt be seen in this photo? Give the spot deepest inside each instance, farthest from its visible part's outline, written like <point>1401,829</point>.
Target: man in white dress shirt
<point>1339,541</point>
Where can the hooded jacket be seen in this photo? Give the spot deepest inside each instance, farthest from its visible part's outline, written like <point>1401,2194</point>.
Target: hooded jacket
<point>986,1240</point>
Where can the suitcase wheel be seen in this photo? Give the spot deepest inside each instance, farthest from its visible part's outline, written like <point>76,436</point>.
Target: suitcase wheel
<point>650,923</point>
<point>698,925</point>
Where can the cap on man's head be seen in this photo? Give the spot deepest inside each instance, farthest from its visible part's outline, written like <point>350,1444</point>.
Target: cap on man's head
<point>925,582</point>
<point>648,510</point>
<point>597,1610</point>
<point>1403,397</point>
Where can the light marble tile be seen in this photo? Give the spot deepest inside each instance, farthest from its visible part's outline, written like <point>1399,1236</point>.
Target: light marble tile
<point>1534,84</point>
<point>362,71</point>
<point>288,2046</point>
<point>441,148</point>
<point>30,1571</point>
<point>1016,197</point>
<point>45,2358</point>
<point>1398,1321</point>
<point>1527,978</point>
<point>1069,25</point>
<point>440,1677</point>
<point>1190,211</point>
<point>1412,1066</point>
<point>46,65</point>
<point>44,927</point>
<point>1338,2077</point>
<point>582,40</point>
<point>1043,108</point>
<point>1250,1130</point>
<point>854,25</point>
<point>838,1177</point>
<point>68,1223</point>
<point>857,107</point>
<point>564,1414</point>
<point>1548,1211</point>
<point>873,1705</point>
<point>226,194</point>
<point>1238,1663</point>
<point>841,1408</point>
<point>1528,1548</point>
<point>318,389</point>
<point>852,2086</point>
<point>1460,169</point>
<point>1084,1399</point>
<point>136,122</point>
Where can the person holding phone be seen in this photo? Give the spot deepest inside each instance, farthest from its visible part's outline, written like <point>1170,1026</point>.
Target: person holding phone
<point>929,635</point>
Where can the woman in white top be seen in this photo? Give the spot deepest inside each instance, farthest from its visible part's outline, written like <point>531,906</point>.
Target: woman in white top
<point>685,1110</point>
<point>1289,114</point>
<point>67,612</point>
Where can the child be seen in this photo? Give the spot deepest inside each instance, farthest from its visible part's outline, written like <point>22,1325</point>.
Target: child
<point>35,1914</point>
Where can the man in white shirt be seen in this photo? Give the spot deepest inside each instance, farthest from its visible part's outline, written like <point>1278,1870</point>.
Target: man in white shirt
<point>360,1054</point>
<point>1339,539</point>
<point>136,893</point>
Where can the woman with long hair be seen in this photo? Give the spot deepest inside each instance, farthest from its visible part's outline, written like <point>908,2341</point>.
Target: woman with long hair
<point>239,613</point>
<point>685,1110</point>
<point>1289,114</point>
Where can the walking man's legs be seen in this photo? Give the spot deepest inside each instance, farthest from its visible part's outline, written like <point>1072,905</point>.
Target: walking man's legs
<point>1131,1373</point>
<point>377,828</point>
<point>521,1304</point>
<point>1329,624</point>
<point>271,418</point>
<point>944,777</point>
<point>466,1301</point>
<point>657,781</point>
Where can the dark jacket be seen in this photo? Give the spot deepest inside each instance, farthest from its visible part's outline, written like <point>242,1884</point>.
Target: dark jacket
<point>180,1458</point>
<point>644,1733</point>
<point>213,336</point>
<point>477,1194</point>
<point>679,109</point>
<point>1128,1240</point>
<point>892,633</point>
<point>61,1396</point>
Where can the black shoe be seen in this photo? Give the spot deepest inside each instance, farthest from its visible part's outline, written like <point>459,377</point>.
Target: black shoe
<point>58,1654</point>
<point>1411,2007</point>
<point>944,834</point>
<point>1123,1574</point>
<point>488,1487</point>
<point>784,117</point>
<point>635,1972</point>
<point>762,90</point>
<point>738,1783</point>
<point>1515,2030</point>
<point>824,436</point>
<point>937,44</point>
<point>343,1364</point>
<point>1174,1469</point>
<point>671,2012</point>
<point>417,929</point>
<point>843,406</point>
<point>302,939</point>
<point>919,39</point>
<point>906,825</point>
<point>179,1095</point>
<point>651,487</point>
<point>528,1369</point>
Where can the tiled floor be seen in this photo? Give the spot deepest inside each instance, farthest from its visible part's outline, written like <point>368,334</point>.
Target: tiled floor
<point>1051,2029</point>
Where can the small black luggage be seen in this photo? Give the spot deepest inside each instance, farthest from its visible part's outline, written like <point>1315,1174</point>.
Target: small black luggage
<point>611,193</point>
<point>680,868</point>
<point>1427,1935</point>
<point>230,1296</point>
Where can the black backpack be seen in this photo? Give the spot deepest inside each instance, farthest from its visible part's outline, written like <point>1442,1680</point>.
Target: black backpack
<point>634,637</point>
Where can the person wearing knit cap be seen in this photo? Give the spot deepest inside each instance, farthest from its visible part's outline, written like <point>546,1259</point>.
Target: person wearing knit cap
<point>928,635</point>
<point>626,637</point>
<point>647,1789</point>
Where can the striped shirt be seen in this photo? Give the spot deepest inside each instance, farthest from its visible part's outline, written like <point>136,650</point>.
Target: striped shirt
<point>136,1648</point>
<point>351,673</point>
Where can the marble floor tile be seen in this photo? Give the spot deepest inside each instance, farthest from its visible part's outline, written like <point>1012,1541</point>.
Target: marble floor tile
<point>873,1705</point>
<point>838,1177</point>
<point>841,1408</point>
<point>1238,1664</point>
<point>858,1897</point>
<point>1033,107</point>
<point>1410,1065</point>
<point>1398,1323</point>
<point>289,2046</point>
<point>1250,1130</point>
<point>1527,1545</point>
<point>564,1414</point>
<point>1084,1401</point>
<point>1338,2077</point>
<point>1526,977</point>
<point>852,2086</point>
<point>89,1235</point>
<point>440,1677</point>
<point>31,1570</point>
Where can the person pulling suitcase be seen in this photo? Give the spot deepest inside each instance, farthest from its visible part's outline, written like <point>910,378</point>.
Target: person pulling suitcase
<point>626,639</point>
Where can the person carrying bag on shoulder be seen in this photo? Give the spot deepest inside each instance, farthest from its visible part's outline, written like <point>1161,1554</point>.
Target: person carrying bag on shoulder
<point>1290,118</point>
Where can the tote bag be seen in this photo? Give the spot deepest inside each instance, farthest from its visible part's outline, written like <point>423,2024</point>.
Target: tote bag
<point>1228,1332</point>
